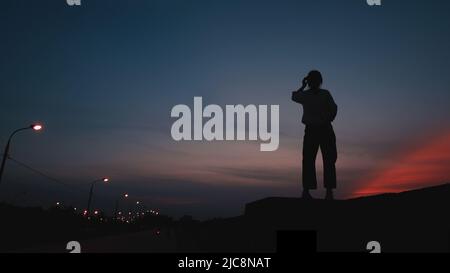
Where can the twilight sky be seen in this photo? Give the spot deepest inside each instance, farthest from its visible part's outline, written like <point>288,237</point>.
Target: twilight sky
<point>104,77</point>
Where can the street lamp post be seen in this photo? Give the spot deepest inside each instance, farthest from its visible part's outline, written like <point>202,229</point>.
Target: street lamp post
<point>116,208</point>
<point>91,192</point>
<point>35,127</point>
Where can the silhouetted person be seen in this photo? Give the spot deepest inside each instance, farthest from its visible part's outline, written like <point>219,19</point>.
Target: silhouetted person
<point>319,110</point>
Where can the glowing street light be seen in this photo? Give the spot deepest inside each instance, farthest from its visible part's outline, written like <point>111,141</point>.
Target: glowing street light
<point>35,127</point>
<point>116,207</point>
<point>91,192</point>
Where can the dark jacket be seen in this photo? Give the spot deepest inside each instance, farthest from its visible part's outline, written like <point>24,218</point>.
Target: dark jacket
<point>318,106</point>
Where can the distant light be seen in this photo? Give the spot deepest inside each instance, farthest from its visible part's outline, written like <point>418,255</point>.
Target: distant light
<point>96,212</point>
<point>37,127</point>
<point>137,202</point>
<point>105,179</point>
<point>85,212</point>
<point>57,203</point>
<point>125,195</point>
<point>120,213</point>
<point>74,208</point>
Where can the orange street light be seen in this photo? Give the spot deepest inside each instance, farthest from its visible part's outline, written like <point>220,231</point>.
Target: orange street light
<point>116,207</point>
<point>91,192</point>
<point>35,127</point>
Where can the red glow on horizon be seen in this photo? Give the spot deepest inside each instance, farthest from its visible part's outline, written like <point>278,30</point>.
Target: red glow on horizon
<point>425,166</point>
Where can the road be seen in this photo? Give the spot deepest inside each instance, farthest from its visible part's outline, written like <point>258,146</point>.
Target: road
<point>149,241</point>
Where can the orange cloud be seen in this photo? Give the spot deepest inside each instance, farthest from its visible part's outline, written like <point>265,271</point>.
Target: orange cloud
<point>426,165</point>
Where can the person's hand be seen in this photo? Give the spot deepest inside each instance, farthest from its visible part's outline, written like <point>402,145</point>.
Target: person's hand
<point>304,82</point>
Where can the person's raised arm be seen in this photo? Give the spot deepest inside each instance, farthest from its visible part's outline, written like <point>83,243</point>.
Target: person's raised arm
<point>297,96</point>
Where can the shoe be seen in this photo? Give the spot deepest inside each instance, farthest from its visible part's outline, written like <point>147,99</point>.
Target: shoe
<point>306,195</point>
<point>329,196</point>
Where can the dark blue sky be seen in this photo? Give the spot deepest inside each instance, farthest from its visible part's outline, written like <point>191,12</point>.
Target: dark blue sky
<point>103,78</point>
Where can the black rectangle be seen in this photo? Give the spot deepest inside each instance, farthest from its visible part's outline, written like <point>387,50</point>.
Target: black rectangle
<point>298,241</point>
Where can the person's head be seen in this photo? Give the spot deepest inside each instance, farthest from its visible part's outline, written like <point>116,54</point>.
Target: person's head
<point>314,79</point>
